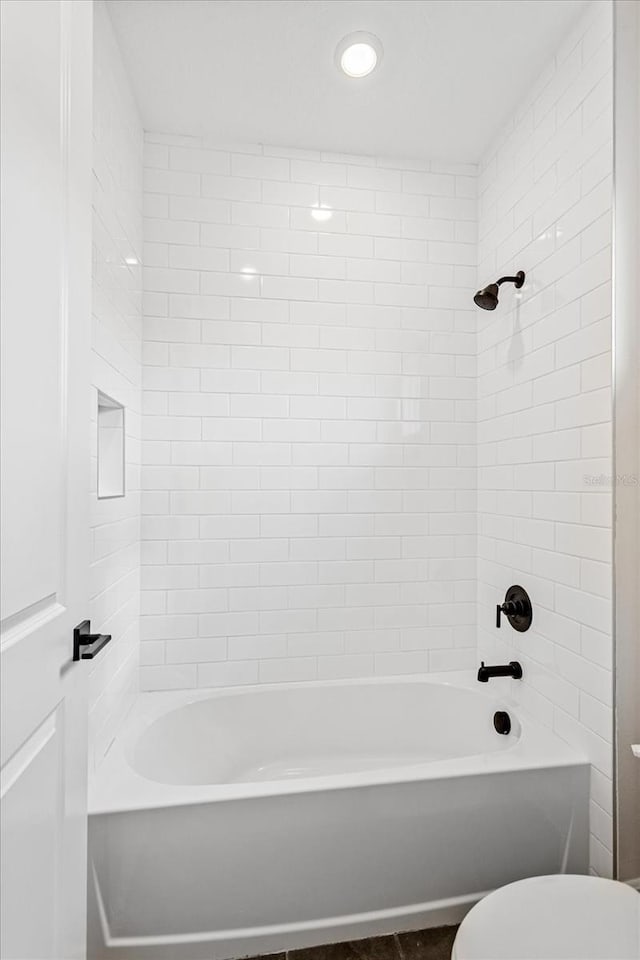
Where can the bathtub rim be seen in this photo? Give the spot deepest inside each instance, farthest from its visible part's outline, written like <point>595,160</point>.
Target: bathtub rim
<point>118,788</point>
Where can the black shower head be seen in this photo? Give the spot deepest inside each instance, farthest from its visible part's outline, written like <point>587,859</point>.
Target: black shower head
<point>487,298</point>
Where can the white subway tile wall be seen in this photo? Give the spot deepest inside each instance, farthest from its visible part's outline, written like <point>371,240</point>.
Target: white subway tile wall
<point>309,504</point>
<point>117,371</point>
<point>544,402</point>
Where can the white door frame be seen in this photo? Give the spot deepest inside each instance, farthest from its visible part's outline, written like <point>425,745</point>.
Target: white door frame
<point>626,436</point>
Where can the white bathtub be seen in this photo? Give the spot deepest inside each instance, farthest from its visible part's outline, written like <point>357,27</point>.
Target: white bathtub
<point>240,822</point>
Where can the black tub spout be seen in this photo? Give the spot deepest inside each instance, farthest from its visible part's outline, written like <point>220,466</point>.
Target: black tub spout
<point>512,669</point>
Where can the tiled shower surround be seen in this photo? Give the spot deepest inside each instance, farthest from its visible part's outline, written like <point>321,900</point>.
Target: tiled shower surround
<point>345,462</point>
<point>309,396</point>
<point>544,402</point>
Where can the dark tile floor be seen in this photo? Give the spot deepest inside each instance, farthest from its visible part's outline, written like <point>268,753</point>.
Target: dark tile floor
<point>433,944</point>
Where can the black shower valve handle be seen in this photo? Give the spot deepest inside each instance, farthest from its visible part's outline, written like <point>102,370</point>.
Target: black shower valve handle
<point>511,608</point>
<point>517,607</point>
<point>500,609</point>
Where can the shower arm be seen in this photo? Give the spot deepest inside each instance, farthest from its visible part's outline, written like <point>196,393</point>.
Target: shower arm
<point>518,280</point>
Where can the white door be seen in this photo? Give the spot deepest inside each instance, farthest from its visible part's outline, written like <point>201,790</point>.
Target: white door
<point>46,309</point>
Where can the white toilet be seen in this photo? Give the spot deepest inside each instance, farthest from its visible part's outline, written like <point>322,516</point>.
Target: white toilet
<point>560,917</point>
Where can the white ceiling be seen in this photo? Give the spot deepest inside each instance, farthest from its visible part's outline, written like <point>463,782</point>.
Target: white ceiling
<point>263,70</point>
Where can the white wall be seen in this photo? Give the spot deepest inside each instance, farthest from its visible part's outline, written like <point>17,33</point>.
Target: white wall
<point>544,401</point>
<point>309,502</point>
<point>116,370</point>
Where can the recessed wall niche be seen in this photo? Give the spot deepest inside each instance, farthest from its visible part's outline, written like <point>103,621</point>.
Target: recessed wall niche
<point>110,447</point>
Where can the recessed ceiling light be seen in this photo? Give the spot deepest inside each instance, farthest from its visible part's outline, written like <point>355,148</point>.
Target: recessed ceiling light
<point>358,54</point>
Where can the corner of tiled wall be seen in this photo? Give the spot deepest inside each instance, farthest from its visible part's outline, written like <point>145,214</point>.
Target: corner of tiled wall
<point>116,325</point>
